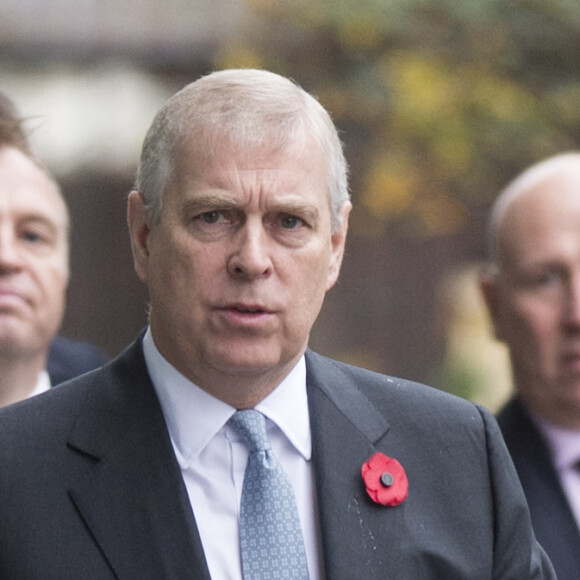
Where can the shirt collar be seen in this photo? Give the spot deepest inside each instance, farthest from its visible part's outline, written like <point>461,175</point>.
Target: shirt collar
<point>42,384</point>
<point>194,417</point>
<point>564,443</point>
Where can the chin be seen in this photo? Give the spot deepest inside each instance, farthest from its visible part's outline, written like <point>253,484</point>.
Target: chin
<point>251,357</point>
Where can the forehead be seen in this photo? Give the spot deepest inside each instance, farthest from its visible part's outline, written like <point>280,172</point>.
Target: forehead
<point>26,191</point>
<point>299,162</point>
<point>543,219</point>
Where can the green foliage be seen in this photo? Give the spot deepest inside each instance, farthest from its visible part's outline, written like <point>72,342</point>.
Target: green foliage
<point>441,101</point>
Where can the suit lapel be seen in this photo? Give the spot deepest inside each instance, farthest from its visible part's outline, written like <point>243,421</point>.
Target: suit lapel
<point>345,429</point>
<point>549,506</point>
<point>133,498</point>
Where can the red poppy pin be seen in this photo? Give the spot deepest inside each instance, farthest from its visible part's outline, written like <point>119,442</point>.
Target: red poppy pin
<point>385,479</point>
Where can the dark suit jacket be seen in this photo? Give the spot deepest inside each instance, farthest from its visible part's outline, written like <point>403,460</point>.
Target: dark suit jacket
<point>69,358</point>
<point>90,487</point>
<point>552,517</point>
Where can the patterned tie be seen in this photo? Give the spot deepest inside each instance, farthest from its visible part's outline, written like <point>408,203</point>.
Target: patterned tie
<point>270,535</point>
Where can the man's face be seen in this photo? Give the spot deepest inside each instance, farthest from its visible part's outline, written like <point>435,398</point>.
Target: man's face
<point>240,262</point>
<point>33,256</point>
<point>535,301</point>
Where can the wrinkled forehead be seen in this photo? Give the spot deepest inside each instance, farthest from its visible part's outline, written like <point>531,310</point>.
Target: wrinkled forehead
<point>251,137</point>
<point>195,155</point>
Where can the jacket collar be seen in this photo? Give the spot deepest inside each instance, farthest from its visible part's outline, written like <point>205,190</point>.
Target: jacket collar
<point>346,429</point>
<point>141,517</point>
<point>132,496</point>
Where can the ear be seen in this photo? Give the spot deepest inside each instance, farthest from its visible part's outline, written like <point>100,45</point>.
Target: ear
<point>139,233</point>
<point>489,286</point>
<point>338,240</point>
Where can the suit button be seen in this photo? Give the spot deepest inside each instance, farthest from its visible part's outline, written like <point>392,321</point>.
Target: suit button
<point>387,479</point>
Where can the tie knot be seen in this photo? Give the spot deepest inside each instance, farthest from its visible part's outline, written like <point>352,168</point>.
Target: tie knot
<point>250,425</point>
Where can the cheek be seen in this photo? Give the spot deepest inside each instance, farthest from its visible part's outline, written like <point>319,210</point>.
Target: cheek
<point>532,323</point>
<point>309,284</point>
<point>52,278</point>
<point>51,283</point>
<point>182,275</point>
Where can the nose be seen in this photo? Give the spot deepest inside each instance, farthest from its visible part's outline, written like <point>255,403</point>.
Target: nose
<point>10,260</point>
<point>572,314</point>
<point>250,258</point>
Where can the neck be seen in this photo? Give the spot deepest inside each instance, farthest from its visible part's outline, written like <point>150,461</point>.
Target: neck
<point>243,391</point>
<point>240,387</point>
<point>242,396</point>
<point>18,378</point>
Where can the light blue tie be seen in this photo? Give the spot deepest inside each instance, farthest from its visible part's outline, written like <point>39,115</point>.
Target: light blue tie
<point>271,540</point>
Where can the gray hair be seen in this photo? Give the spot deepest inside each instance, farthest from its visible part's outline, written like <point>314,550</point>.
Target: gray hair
<point>521,184</point>
<point>251,108</point>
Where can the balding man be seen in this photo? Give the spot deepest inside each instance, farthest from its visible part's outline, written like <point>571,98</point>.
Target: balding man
<point>532,290</point>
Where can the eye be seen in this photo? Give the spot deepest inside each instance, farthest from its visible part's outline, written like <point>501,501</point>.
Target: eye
<point>34,237</point>
<point>291,222</point>
<point>547,278</point>
<point>211,217</point>
<point>31,237</point>
<point>550,278</point>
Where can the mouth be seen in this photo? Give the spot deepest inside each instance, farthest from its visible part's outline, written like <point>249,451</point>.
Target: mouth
<point>248,309</point>
<point>571,360</point>
<point>246,313</point>
<point>12,304</point>
<point>571,356</point>
<point>6,294</point>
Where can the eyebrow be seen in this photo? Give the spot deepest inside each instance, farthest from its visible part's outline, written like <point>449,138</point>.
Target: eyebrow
<point>225,202</point>
<point>37,218</point>
<point>210,201</point>
<point>305,210</point>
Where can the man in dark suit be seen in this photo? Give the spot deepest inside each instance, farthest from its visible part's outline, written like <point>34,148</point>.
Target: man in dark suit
<point>532,289</point>
<point>68,359</point>
<point>34,227</point>
<point>138,470</point>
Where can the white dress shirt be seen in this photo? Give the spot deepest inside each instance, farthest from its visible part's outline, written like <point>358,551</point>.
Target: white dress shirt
<point>213,460</point>
<point>565,447</point>
<point>42,384</point>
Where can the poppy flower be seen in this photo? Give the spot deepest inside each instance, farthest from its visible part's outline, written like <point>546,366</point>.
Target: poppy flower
<point>385,480</point>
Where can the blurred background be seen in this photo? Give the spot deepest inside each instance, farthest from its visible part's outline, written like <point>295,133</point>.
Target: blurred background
<point>440,103</point>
